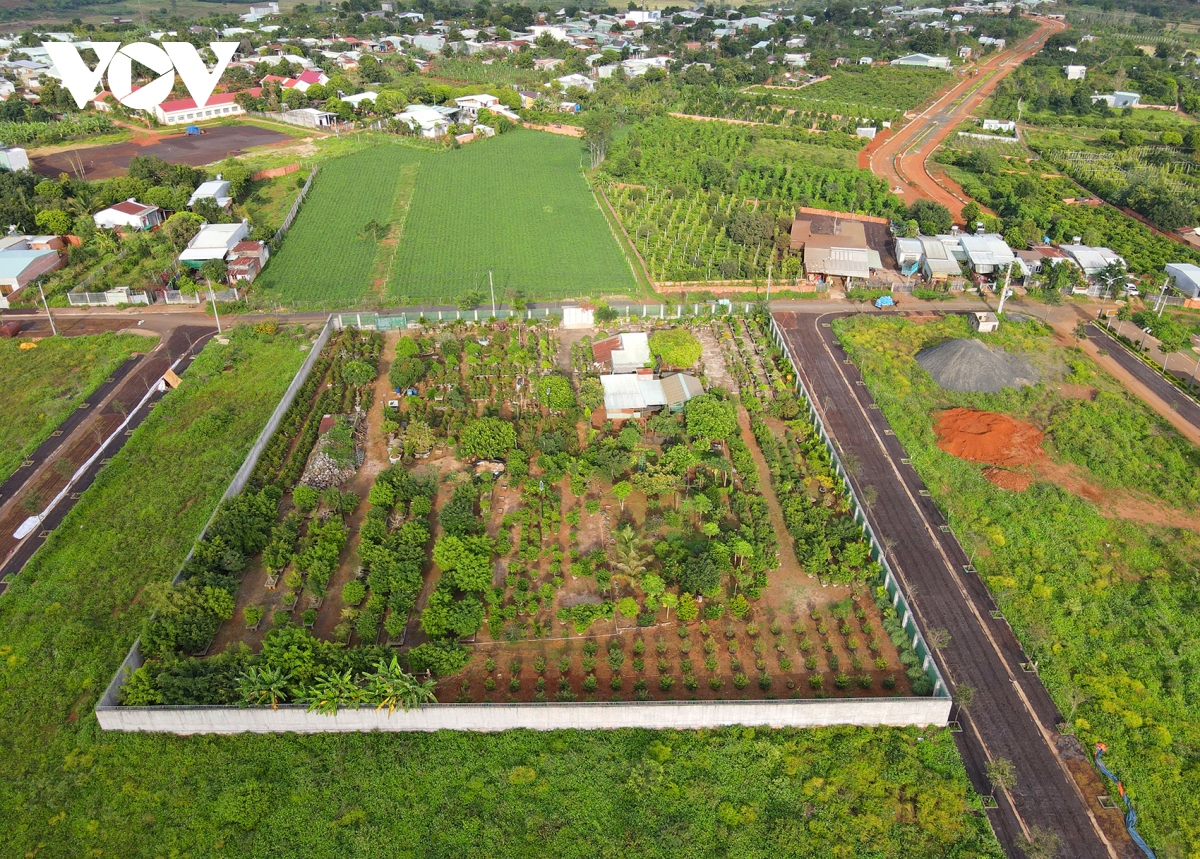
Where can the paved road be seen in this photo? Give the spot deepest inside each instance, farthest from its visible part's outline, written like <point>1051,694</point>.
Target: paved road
<point>83,436</point>
<point>901,158</point>
<point>1012,715</point>
<point>1180,403</point>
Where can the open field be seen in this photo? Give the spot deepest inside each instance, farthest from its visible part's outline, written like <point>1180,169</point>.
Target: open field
<point>1093,563</point>
<point>103,162</point>
<point>515,204</point>
<point>885,87</point>
<point>47,383</point>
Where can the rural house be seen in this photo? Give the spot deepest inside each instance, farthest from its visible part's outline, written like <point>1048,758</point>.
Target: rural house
<point>627,352</point>
<point>834,247</point>
<point>922,61</point>
<point>639,395</point>
<point>246,260</point>
<point>24,259</point>
<point>129,214</point>
<point>216,190</point>
<point>184,110</point>
<point>1187,278</point>
<point>214,241</point>
<point>1118,99</point>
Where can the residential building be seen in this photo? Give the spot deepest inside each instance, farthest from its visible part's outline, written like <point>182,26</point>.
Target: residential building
<point>638,395</point>
<point>246,260</point>
<point>1075,73</point>
<point>1006,125</point>
<point>1091,259</point>
<point>310,117</point>
<point>927,255</point>
<point>470,105</point>
<point>1118,99</point>
<point>567,81</point>
<point>428,120</point>
<point>924,61</point>
<point>262,9</point>
<point>626,352</point>
<point>356,100</point>
<point>835,247</point>
<point>184,111</point>
<point>129,214</point>
<point>1187,278</point>
<point>216,190</point>
<point>14,158</point>
<point>214,241</point>
<point>24,259</point>
<point>984,253</point>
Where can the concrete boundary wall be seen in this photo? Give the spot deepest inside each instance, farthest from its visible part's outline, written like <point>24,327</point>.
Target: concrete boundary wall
<point>652,715</point>
<point>133,659</point>
<point>890,582</point>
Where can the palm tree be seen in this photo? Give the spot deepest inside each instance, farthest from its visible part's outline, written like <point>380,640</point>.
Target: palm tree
<point>389,686</point>
<point>260,686</point>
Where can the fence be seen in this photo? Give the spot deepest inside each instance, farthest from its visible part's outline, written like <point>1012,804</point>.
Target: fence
<point>174,296</point>
<point>381,322</point>
<point>291,215</point>
<point>899,601</point>
<point>112,298</point>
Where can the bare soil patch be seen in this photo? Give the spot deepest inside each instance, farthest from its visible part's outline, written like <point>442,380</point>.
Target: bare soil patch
<point>988,438</point>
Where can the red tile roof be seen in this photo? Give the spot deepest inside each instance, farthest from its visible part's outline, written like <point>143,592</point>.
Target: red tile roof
<point>213,101</point>
<point>602,349</point>
<point>127,207</point>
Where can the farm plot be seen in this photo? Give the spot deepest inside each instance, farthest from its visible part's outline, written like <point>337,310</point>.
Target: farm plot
<point>54,378</point>
<point>328,258</point>
<point>870,92</point>
<point>516,205</point>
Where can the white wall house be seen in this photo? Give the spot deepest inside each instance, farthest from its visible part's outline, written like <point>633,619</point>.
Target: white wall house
<point>129,214</point>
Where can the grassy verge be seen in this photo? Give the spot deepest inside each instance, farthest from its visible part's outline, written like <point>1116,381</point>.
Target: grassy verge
<point>1106,605</point>
<point>67,620</point>
<point>50,382</point>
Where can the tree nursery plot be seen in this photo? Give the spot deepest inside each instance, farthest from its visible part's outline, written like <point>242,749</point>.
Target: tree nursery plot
<point>516,205</point>
<point>1094,562</point>
<point>633,565</point>
<point>54,378</point>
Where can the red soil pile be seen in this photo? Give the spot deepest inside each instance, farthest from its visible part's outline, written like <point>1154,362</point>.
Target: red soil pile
<point>988,438</point>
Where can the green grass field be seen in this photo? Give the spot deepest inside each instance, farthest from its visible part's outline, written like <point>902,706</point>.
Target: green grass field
<point>517,205</point>
<point>53,379</point>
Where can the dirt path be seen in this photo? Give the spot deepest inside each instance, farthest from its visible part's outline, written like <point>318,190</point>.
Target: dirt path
<point>789,586</point>
<point>901,158</point>
<point>375,461</point>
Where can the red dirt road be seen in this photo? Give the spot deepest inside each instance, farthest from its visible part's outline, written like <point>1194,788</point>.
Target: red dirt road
<point>901,157</point>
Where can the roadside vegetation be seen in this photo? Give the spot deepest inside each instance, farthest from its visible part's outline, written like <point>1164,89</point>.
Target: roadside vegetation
<point>1103,603</point>
<point>49,381</point>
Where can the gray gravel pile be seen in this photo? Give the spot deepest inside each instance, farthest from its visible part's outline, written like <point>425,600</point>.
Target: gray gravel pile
<point>970,365</point>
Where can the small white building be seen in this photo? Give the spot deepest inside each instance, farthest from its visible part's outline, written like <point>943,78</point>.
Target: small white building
<point>1091,259</point>
<point>129,214</point>
<point>428,120</point>
<point>470,105</point>
<point>922,61</point>
<point>985,322</point>
<point>14,158</point>
<point>216,190</point>
<point>1075,73</point>
<point>356,100</point>
<point>1187,278</point>
<point>1118,99</point>
<point>1005,125</point>
<point>214,241</point>
<point>567,81</point>
<point>628,352</point>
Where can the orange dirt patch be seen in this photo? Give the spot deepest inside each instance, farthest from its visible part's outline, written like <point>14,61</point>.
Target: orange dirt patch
<point>988,438</point>
<point>1077,392</point>
<point>1008,479</point>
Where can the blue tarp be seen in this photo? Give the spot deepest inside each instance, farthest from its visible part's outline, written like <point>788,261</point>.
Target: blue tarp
<point>884,301</point>
<point>1130,815</point>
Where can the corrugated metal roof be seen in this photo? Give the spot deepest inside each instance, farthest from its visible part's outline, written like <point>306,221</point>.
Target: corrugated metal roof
<point>681,387</point>
<point>14,263</point>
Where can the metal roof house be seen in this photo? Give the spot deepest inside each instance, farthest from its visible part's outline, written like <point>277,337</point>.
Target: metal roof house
<point>1187,278</point>
<point>1120,98</point>
<point>129,213</point>
<point>628,352</point>
<point>929,255</point>
<point>22,264</point>
<point>214,241</point>
<point>923,61</point>
<point>985,252</point>
<point>216,190</point>
<point>637,395</point>
<point>1091,259</point>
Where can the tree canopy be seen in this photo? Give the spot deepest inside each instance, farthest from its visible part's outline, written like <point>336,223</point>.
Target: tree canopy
<point>487,438</point>
<point>677,347</point>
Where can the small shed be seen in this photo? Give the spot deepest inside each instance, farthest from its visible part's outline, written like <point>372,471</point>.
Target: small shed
<point>985,322</point>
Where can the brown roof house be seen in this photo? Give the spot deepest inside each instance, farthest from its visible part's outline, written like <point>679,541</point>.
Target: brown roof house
<point>834,247</point>
<point>628,351</point>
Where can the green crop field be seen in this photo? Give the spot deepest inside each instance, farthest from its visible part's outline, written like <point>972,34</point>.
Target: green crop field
<point>880,87</point>
<point>54,379</point>
<point>329,256</point>
<point>516,205</point>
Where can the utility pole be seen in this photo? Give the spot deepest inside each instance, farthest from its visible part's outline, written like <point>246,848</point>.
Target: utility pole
<point>1004,289</point>
<point>1162,296</point>
<point>213,296</point>
<point>53,330</point>
<point>492,289</point>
